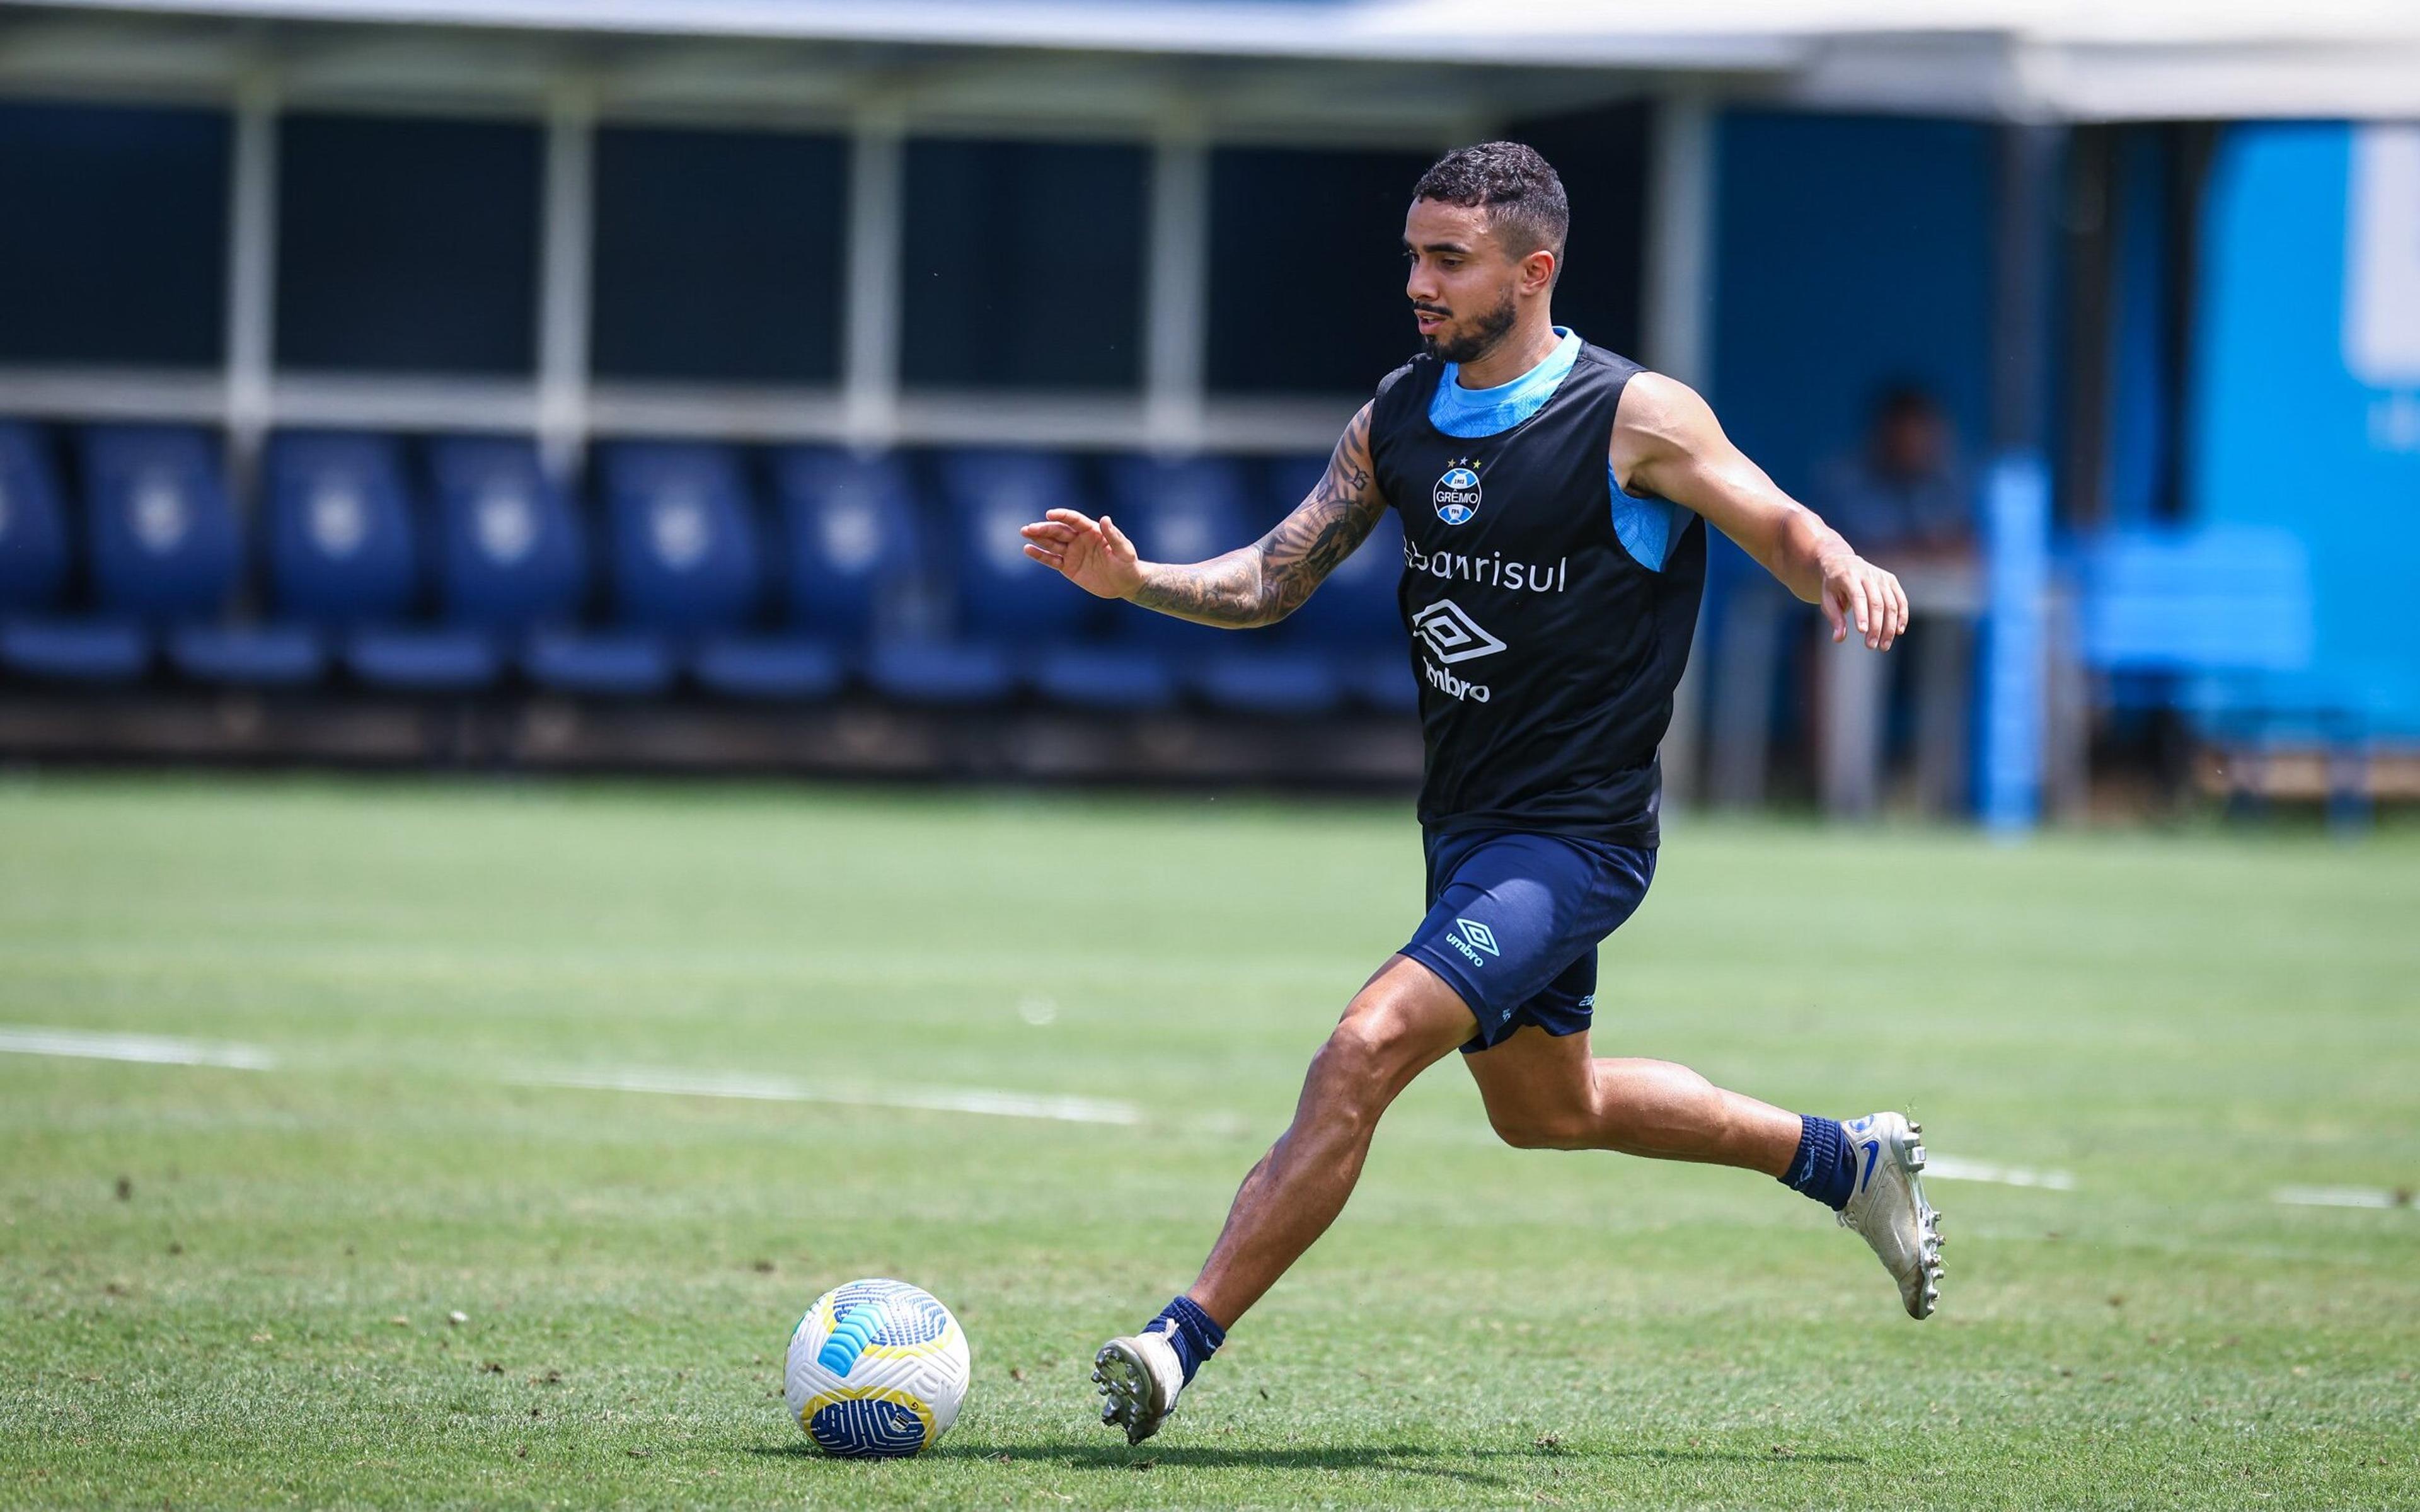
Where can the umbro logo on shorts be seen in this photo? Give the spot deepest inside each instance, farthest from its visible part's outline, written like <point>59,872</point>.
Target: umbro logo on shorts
<point>1474,938</point>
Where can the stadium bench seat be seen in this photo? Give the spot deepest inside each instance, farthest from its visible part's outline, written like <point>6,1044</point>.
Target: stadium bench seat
<point>34,637</point>
<point>163,550</point>
<point>338,541</point>
<point>920,670</point>
<point>1351,622</point>
<point>1008,607</point>
<point>615,663</point>
<point>76,649</point>
<point>2203,619</point>
<point>2217,623</point>
<point>33,526</point>
<point>682,548</point>
<point>1185,510</point>
<point>508,557</point>
<point>849,537</point>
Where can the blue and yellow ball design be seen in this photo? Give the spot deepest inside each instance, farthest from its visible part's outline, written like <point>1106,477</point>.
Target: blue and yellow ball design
<point>877,1369</point>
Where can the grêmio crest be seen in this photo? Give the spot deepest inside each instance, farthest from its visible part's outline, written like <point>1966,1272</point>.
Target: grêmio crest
<point>1456,494</point>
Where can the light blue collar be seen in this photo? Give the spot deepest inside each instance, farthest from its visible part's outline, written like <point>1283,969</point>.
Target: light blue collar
<point>1468,412</point>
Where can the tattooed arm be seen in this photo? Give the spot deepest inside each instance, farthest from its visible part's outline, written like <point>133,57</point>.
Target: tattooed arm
<point>1258,584</point>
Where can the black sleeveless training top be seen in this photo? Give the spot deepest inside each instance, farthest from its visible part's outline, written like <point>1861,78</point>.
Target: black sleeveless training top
<point>1546,654</point>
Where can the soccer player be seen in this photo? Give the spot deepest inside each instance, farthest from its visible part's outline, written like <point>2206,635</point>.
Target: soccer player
<point>1553,497</point>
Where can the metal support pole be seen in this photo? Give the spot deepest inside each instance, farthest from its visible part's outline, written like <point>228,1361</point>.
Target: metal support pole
<point>1176,307</point>
<point>1681,235</point>
<point>252,274</point>
<point>2017,671</point>
<point>564,257</point>
<point>2022,313</point>
<point>1679,254</point>
<point>877,213</point>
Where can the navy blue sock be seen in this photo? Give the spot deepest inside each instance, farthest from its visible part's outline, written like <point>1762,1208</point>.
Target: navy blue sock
<point>1825,1166</point>
<point>1196,1338</point>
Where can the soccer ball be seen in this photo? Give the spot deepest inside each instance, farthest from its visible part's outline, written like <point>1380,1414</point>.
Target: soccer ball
<point>877,1369</point>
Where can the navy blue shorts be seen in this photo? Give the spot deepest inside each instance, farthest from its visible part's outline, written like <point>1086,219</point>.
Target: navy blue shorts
<point>1514,920</point>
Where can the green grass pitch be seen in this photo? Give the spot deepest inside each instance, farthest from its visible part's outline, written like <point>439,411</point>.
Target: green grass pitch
<point>232,1287</point>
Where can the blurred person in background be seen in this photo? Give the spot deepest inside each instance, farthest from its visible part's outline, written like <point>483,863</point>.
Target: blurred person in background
<point>1905,496</point>
<point>1903,493</point>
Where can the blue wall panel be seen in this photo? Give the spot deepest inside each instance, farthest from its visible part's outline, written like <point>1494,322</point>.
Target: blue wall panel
<point>1850,252</point>
<point>2281,432</point>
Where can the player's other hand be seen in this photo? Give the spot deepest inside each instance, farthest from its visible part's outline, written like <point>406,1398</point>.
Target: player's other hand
<point>1860,597</point>
<point>1094,554</point>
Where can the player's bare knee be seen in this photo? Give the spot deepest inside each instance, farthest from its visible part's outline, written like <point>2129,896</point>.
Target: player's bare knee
<point>1359,1069</point>
<point>1357,1054</point>
<point>1346,1081</point>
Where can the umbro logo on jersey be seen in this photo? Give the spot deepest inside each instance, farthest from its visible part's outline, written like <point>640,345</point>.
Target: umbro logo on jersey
<point>1456,494</point>
<point>1451,635</point>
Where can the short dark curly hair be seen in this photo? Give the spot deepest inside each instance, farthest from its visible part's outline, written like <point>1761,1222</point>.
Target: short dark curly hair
<point>1519,190</point>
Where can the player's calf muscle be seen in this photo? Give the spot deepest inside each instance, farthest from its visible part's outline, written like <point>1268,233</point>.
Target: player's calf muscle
<point>1652,1109</point>
<point>1545,1128</point>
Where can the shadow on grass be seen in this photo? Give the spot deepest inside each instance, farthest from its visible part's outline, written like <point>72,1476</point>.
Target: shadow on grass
<point>1730,1457</point>
<point>1402,1458</point>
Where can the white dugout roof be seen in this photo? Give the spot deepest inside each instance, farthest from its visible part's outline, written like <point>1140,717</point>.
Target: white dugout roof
<point>1179,76</point>
<point>2019,59</point>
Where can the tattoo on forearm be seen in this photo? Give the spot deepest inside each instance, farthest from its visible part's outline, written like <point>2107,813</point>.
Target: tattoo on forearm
<point>1268,580</point>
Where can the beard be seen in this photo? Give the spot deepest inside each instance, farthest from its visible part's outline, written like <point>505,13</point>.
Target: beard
<point>1485,331</point>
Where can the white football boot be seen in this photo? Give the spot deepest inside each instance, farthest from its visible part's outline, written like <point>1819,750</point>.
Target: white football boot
<point>1138,1376</point>
<point>1889,1210</point>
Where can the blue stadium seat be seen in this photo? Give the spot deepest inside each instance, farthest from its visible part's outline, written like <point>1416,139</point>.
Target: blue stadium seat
<point>509,556</point>
<point>164,545</point>
<point>163,550</point>
<point>260,655</point>
<point>2229,598</point>
<point>2220,624</point>
<point>1352,621</point>
<point>33,575</point>
<point>342,550</point>
<point>769,666</point>
<point>1345,644</point>
<point>1175,512</point>
<point>2214,620</point>
<point>919,669</point>
<point>1008,606</point>
<point>33,526</point>
<point>338,540</point>
<point>849,536</point>
<point>1003,595</point>
<point>76,649</point>
<point>684,537</point>
<point>623,664</point>
<point>853,531</point>
<point>682,546</point>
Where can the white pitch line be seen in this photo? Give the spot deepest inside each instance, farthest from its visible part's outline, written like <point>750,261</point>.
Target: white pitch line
<point>1950,1168</point>
<point>150,1049</point>
<point>2341,1196</point>
<point>785,1089</point>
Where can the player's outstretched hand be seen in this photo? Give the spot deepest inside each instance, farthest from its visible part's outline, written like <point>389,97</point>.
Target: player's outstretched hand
<point>1857,592</point>
<point>1094,554</point>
